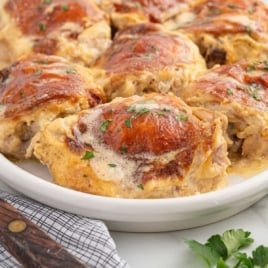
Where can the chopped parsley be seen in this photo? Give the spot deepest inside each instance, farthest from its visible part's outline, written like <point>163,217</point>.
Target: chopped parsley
<point>87,155</point>
<point>124,149</point>
<point>22,95</point>
<point>128,123</point>
<point>47,2</point>
<point>213,10</point>
<point>38,72</point>
<point>40,61</point>
<point>222,250</point>
<point>140,186</point>
<point>252,89</point>
<point>181,117</point>
<point>256,97</point>
<point>265,68</point>
<point>250,68</point>
<point>254,86</point>
<point>147,55</point>
<point>229,91</point>
<point>163,112</point>
<point>248,30</point>
<point>71,71</point>
<point>251,11</point>
<point>42,27</point>
<point>112,165</point>
<point>143,111</point>
<point>131,109</point>
<point>265,62</point>
<point>104,124</point>
<point>233,6</point>
<point>65,7</point>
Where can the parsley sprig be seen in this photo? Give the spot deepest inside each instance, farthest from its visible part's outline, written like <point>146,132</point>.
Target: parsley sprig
<point>222,251</point>
<point>87,155</point>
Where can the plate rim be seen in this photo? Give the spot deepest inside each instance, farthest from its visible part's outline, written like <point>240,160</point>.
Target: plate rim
<point>256,184</point>
<point>138,215</point>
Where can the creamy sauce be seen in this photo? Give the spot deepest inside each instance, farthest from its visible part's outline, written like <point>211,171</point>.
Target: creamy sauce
<point>247,168</point>
<point>109,164</point>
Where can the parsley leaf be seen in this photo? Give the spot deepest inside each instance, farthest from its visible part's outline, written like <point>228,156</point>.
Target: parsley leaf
<point>181,117</point>
<point>112,165</point>
<point>260,256</point>
<point>217,244</point>
<point>220,249</point>
<point>131,109</point>
<point>128,123</point>
<point>143,111</point>
<point>208,254</point>
<point>141,186</point>
<point>87,155</point>
<point>244,260</point>
<point>104,124</point>
<point>123,149</point>
<point>229,91</point>
<point>236,239</point>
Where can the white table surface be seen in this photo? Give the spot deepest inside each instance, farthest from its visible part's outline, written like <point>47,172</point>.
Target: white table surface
<point>168,250</point>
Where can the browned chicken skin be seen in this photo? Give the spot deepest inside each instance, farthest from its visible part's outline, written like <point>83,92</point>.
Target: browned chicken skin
<point>137,147</point>
<point>77,30</point>
<point>240,92</point>
<point>228,31</point>
<point>36,90</point>
<point>147,58</point>
<point>127,13</point>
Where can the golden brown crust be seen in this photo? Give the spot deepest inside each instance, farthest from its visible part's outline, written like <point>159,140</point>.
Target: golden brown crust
<point>77,30</point>
<point>240,92</point>
<point>228,31</point>
<point>219,17</point>
<point>146,58</point>
<point>38,89</point>
<point>137,147</point>
<point>127,13</point>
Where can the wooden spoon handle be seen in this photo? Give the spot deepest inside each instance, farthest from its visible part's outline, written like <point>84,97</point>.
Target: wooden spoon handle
<point>30,245</point>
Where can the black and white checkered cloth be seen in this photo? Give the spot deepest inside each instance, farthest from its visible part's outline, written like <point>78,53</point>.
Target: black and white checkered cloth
<point>89,240</point>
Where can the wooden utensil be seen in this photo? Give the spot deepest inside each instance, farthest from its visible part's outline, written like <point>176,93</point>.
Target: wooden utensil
<point>31,246</point>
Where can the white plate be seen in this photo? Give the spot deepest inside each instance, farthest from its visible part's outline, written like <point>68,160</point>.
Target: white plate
<point>146,215</point>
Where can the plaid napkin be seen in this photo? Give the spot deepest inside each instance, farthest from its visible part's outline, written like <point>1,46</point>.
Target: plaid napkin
<point>89,240</point>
